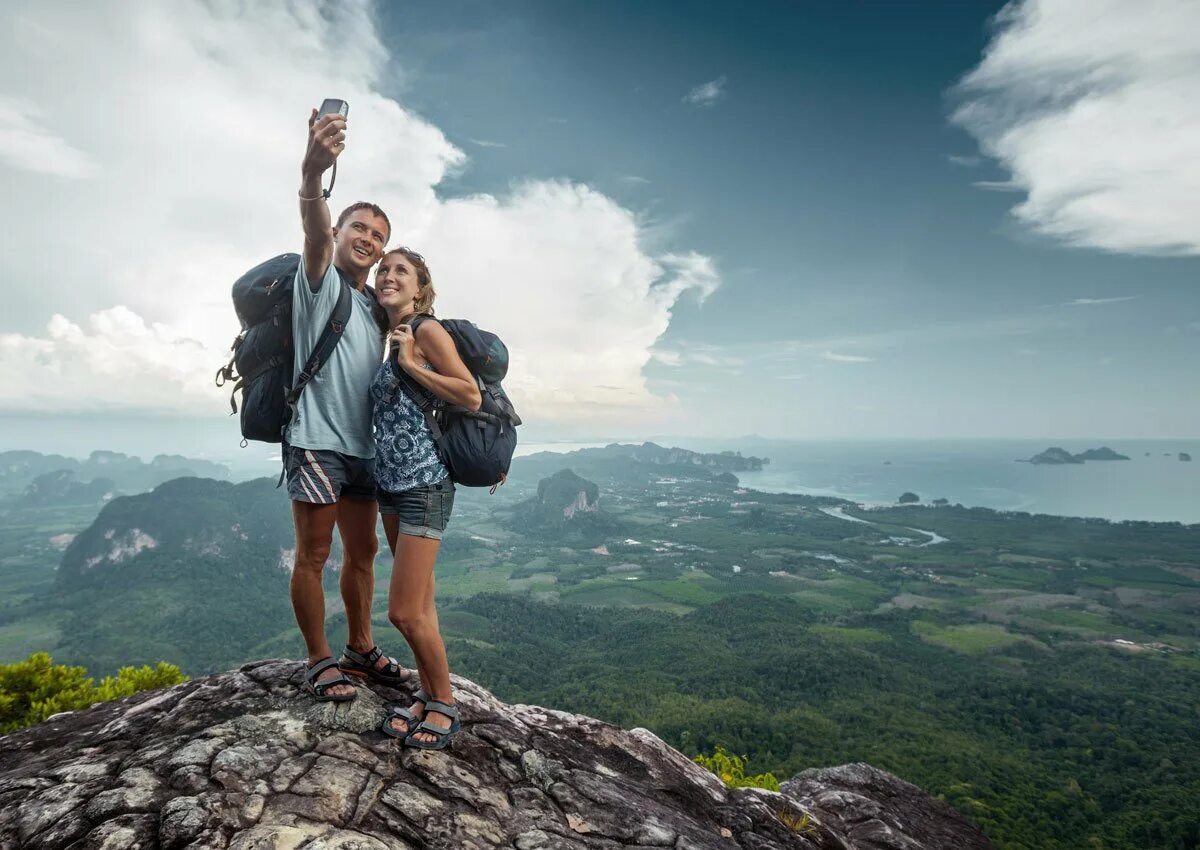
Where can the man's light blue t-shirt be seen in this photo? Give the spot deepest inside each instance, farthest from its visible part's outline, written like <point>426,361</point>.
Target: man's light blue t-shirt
<point>335,407</point>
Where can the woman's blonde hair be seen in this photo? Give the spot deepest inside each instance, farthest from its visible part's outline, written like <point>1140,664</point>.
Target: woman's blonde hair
<point>425,291</point>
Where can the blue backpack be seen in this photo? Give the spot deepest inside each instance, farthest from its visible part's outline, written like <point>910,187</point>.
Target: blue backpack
<point>475,446</point>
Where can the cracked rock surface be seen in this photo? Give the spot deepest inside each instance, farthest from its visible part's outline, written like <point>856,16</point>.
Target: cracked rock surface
<point>244,760</point>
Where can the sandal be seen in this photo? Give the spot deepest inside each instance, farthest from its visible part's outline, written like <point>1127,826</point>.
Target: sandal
<point>443,734</point>
<point>362,665</point>
<point>405,714</point>
<point>318,689</point>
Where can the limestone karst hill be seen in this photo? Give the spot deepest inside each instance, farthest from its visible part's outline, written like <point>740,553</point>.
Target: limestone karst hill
<point>243,760</point>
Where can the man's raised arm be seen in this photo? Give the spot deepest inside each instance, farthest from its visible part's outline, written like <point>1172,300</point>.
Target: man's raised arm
<point>326,139</point>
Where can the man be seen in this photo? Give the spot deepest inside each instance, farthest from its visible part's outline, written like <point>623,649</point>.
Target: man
<point>329,451</point>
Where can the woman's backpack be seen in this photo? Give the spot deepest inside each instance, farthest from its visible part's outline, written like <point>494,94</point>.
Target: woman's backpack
<point>263,353</point>
<point>475,446</point>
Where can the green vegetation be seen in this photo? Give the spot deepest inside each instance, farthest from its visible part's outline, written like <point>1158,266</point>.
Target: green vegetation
<point>732,771</point>
<point>970,638</point>
<point>36,688</point>
<point>1039,673</point>
<point>1044,748</point>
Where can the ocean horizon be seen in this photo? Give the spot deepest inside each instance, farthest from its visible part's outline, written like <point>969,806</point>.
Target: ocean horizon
<point>1153,485</point>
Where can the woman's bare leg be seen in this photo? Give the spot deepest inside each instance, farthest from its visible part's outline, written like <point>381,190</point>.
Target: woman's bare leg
<point>411,610</point>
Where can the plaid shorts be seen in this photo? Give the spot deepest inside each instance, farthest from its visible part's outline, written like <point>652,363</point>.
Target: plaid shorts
<point>322,477</point>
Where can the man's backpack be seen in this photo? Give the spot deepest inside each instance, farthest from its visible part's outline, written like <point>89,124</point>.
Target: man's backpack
<point>263,353</point>
<point>475,446</point>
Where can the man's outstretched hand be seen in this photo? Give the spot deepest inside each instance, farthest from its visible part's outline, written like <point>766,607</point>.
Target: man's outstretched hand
<point>326,140</point>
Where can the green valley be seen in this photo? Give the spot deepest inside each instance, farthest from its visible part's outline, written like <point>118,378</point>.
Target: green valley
<point>1042,674</point>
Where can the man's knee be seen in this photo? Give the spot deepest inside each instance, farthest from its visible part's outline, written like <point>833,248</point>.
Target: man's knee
<point>312,556</point>
<point>361,554</point>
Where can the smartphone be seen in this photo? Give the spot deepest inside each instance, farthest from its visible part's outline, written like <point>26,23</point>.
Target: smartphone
<point>329,106</point>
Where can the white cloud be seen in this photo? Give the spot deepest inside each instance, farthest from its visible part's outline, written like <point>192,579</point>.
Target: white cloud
<point>1092,106</point>
<point>27,145</point>
<point>189,122</point>
<point>964,161</point>
<point>845,358</point>
<point>1090,302</point>
<point>633,178</point>
<point>484,143</point>
<point>697,355</point>
<point>706,94</point>
<point>117,361</point>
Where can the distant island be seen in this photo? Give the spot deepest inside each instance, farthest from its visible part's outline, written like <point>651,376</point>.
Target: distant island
<point>1184,456</point>
<point>1058,455</point>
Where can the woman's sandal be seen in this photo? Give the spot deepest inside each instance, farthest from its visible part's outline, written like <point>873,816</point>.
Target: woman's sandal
<point>362,665</point>
<point>318,689</point>
<point>405,714</point>
<point>443,734</point>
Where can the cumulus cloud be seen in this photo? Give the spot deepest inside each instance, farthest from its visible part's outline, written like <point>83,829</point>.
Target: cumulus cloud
<point>115,362</point>
<point>187,124</point>
<point>1091,105</point>
<point>706,94</point>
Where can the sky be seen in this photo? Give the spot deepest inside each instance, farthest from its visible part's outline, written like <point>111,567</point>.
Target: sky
<point>802,220</point>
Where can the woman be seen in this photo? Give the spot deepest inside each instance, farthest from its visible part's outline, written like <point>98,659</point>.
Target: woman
<point>415,492</point>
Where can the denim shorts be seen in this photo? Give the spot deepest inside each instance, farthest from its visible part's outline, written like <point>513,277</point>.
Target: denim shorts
<point>423,511</point>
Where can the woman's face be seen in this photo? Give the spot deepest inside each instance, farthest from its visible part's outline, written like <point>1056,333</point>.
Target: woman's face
<point>396,283</point>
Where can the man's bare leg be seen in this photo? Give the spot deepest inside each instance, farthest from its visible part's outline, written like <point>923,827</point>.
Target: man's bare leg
<point>314,536</point>
<point>356,525</point>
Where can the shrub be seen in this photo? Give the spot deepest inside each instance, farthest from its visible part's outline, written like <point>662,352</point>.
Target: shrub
<point>36,688</point>
<point>732,771</point>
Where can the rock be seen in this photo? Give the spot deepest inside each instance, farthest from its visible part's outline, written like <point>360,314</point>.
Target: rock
<point>245,761</point>
<point>1102,453</point>
<point>1184,456</point>
<point>1055,455</point>
<point>867,807</point>
<point>908,498</point>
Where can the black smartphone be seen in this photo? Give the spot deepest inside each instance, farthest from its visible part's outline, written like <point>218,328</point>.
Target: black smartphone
<point>330,106</point>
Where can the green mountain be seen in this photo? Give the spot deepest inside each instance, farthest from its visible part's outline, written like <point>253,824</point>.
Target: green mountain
<point>126,473</point>
<point>195,571</point>
<point>566,507</point>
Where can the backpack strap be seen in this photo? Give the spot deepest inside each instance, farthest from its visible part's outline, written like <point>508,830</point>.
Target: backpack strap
<point>421,397</point>
<point>326,343</point>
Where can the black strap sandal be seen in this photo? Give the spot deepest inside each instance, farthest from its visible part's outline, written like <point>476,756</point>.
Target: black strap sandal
<point>362,666</point>
<point>318,689</point>
<point>405,714</point>
<point>443,734</point>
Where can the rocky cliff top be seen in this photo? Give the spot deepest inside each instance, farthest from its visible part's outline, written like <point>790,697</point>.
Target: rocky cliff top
<point>244,760</point>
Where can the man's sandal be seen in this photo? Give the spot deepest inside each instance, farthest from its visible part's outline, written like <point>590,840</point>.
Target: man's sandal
<point>441,732</point>
<point>405,714</point>
<point>318,689</point>
<point>362,666</point>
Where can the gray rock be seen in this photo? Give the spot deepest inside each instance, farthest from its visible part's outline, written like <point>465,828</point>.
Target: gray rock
<point>245,761</point>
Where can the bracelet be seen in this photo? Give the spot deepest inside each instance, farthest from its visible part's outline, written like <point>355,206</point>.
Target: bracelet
<point>319,197</point>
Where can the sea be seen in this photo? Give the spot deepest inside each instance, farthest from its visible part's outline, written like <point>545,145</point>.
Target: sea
<point>1154,484</point>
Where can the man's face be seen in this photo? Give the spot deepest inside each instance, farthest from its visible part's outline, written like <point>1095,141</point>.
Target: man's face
<point>358,243</point>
